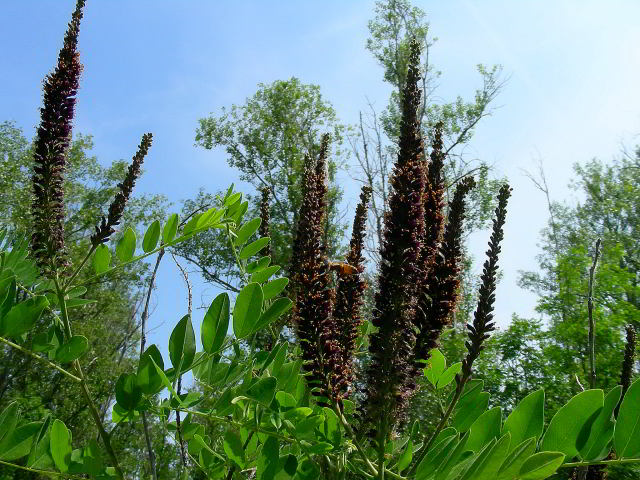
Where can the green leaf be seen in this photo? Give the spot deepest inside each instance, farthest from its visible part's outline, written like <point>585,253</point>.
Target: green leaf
<point>307,426</point>
<point>269,460</point>
<point>488,468</point>
<point>527,419</point>
<point>151,238</point>
<point>285,400</point>
<point>516,458</point>
<point>484,429</point>
<point>263,390</point>
<point>258,265</point>
<point>246,311</point>
<point>182,344</point>
<point>246,230</point>
<point>264,275</point>
<point>468,410</point>
<point>128,393</point>
<point>466,470</point>
<point>92,458</point>
<point>170,228</point>
<point>166,381</point>
<point>435,456</point>
<point>191,224</point>
<point>233,448</point>
<point>627,431</point>
<point>435,366</point>
<point>236,215</point>
<point>148,379</point>
<point>597,446</point>
<point>76,292</point>
<point>444,468</point>
<point>253,248</point>
<point>274,287</point>
<point>215,324</point>
<point>541,465</point>
<point>320,448</point>
<point>79,302</point>
<point>8,302</point>
<point>23,316</point>
<point>101,259</point>
<point>569,428</point>
<point>40,456</point>
<point>407,455</point>
<point>275,311</point>
<point>8,420</point>
<point>18,444</point>
<point>60,441</point>
<point>448,375</point>
<point>232,198</point>
<point>126,246</point>
<point>73,349</point>
<point>331,426</point>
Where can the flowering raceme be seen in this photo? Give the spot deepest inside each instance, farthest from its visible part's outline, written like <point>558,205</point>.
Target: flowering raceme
<point>51,145</point>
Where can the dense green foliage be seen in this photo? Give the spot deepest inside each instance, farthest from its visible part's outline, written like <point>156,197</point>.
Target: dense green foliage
<point>79,399</point>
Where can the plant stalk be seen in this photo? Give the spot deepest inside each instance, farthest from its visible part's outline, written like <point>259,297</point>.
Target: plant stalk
<point>592,323</point>
<point>40,359</point>
<point>143,340</point>
<point>104,435</point>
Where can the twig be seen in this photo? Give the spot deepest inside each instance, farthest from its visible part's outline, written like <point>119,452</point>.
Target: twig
<point>39,358</point>
<point>592,323</point>
<point>143,340</point>
<point>189,309</point>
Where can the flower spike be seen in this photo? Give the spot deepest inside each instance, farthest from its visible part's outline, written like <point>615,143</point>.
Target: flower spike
<point>52,142</point>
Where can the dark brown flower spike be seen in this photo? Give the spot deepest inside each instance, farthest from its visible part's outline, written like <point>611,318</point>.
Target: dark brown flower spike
<point>627,363</point>
<point>483,323</point>
<point>440,292</point>
<point>349,294</point>
<point>52,142</point>
<point>433,204</point>
<point>390,379</point>
<point>312,317</point>
<point>264,217</point>
<point>116,209</point>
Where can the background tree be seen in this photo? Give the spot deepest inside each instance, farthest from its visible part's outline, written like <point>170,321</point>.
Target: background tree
<point>267,139</point>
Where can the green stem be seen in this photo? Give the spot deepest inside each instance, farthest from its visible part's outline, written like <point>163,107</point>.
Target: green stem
<point>620,461</point>
<point>77,271</point>
<point>104,435</point>
<point>423,451</point>
<point>238,424</point>
<point>41,472</point>
<point>592,323</point>
<point>352,434</point>
<point>39,358</point>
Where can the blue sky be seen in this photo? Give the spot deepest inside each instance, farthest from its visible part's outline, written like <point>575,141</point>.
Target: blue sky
<point>158,66</point>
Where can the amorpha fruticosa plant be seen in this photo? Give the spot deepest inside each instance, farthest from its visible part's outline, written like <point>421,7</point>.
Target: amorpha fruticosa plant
<point>292,410</point>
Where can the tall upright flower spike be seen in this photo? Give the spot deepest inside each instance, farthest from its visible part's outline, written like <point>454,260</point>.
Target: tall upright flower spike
<point>52,142</point>
<point>390,379</point>
<point>629,358</point>
<point>433,205</point>
<point>483,323</point>
<point>440,292</point>
<point>308,179</point>
<point>264,219</point>
<point>349,293</point>
<point>312,317</point>
<point>116,209</point>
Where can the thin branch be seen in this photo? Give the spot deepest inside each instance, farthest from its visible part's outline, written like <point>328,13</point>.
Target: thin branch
<point>592,323</point>
<point>40,359</point>
<point>143,340</point>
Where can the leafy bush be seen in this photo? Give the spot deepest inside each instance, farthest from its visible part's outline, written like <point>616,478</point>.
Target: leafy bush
<point>276,409</point>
